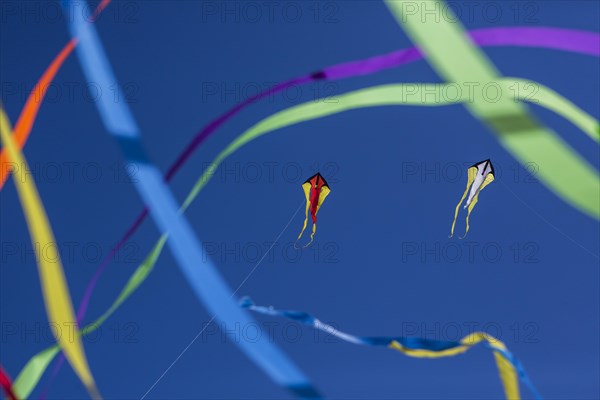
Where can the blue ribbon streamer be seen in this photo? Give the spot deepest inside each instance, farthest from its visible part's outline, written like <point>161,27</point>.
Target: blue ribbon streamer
<point>201,274</point>
<point>411,343</point>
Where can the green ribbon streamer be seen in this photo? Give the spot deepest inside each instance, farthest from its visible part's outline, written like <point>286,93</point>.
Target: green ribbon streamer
<point>443,40</point>
<point>404,94</point>
<point>386,95</point>
<point>34,369</point>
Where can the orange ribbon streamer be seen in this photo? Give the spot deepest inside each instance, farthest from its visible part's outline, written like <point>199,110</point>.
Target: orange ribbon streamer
<point>29,113</point>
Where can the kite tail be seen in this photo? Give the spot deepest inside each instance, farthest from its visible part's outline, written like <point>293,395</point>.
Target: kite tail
<point>488,179</point>
<point>303,226</point>
<point>312,236</point>
<point>458,208</point>
<point>472,172</point>
<point>456,213</point>
<point>471,206</point>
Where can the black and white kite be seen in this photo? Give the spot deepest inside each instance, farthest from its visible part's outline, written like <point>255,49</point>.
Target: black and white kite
<point>479,176</point>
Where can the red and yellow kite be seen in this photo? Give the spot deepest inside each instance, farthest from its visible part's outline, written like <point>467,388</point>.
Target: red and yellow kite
<point>316,190</point>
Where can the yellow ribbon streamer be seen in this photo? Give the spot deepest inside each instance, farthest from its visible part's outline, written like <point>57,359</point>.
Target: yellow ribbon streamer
<point>508,375</point>
<point>54,287</point>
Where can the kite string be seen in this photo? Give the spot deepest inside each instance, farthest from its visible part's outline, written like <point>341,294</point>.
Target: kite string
<point>546,221</point>
<point>232,295</point>
<point>269,250</point>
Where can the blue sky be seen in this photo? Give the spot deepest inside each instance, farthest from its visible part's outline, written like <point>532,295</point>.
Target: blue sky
<point>381,263</point>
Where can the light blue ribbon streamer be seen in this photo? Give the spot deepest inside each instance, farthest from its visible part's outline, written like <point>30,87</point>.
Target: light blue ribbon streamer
<point>413,343</point>
<point>201,274</point>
